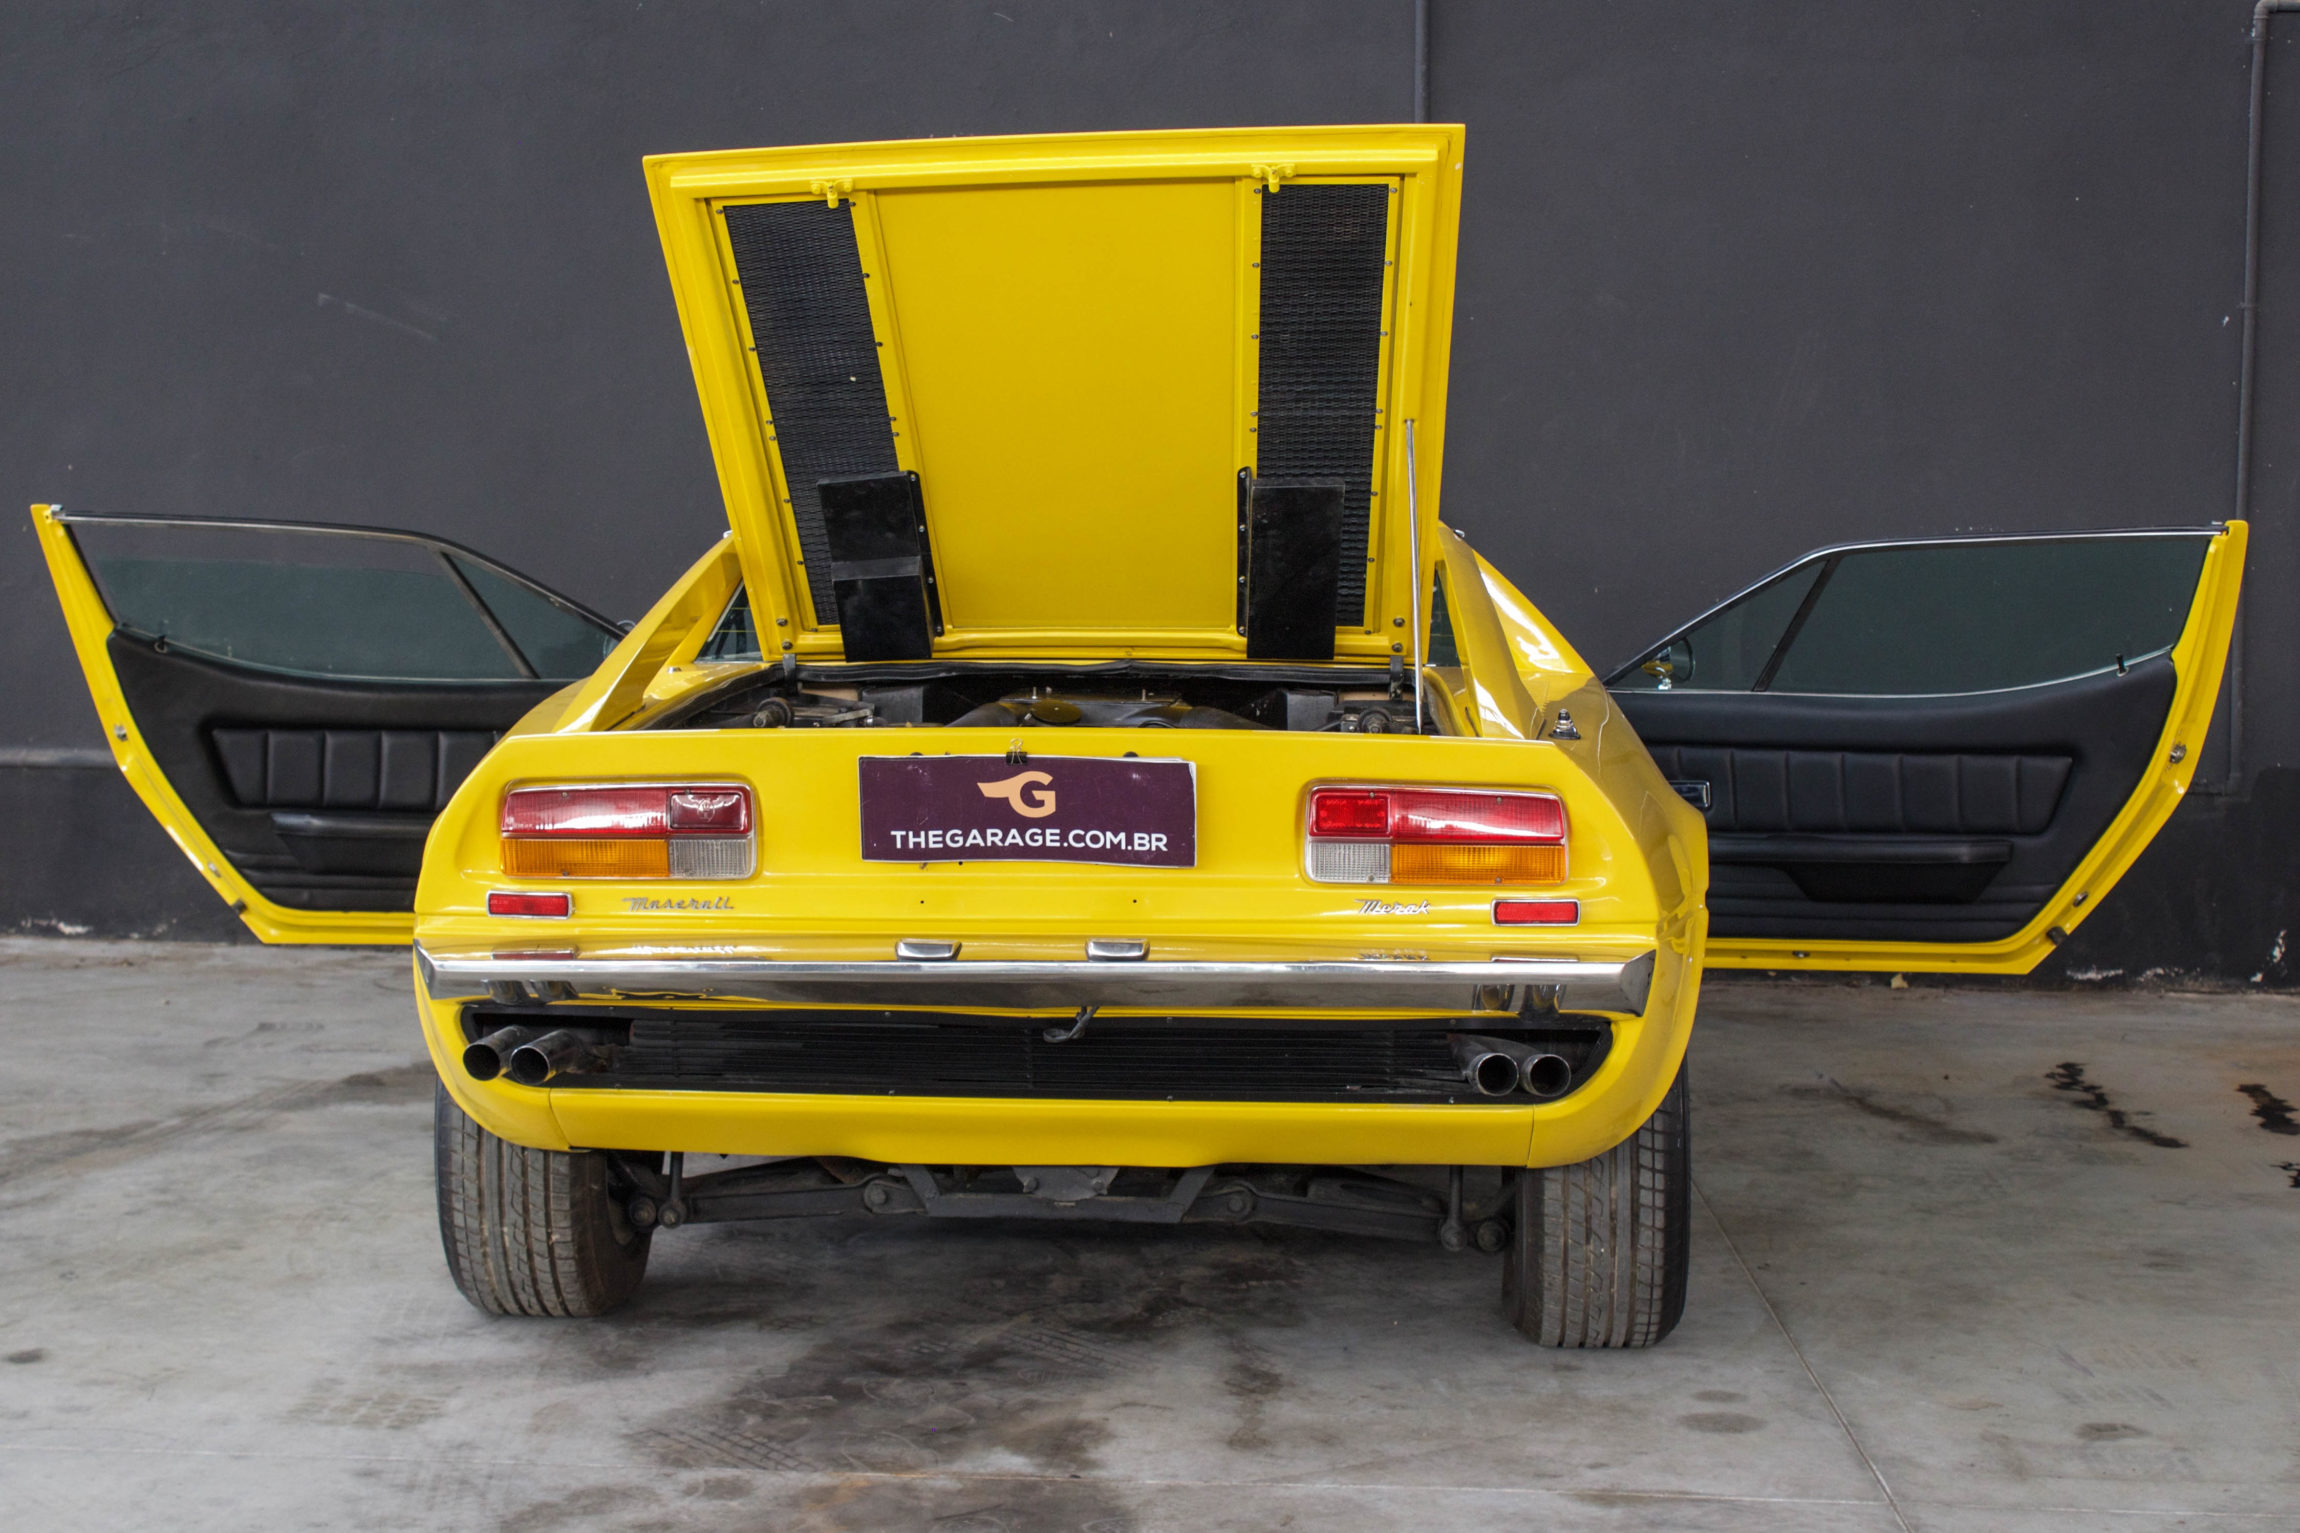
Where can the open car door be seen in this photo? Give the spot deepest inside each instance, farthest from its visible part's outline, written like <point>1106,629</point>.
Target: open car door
<point>295,702</point>
<point>1938,755</point>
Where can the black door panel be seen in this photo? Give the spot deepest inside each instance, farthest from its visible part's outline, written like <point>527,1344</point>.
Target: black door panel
<point>320,791</point>
<point>1948,818</point>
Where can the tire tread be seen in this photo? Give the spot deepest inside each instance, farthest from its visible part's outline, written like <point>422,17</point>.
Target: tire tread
<point>1601,1248</point>
<point>529,1232</point>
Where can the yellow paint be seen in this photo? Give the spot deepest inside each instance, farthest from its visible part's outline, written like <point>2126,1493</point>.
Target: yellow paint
<point>677,625</point>
<point>1070,354</point>
<point>813,896</point>
<point>1066,337</point>
<point>90,624</point>
<point>2197,662</point>
<point>674,629</point>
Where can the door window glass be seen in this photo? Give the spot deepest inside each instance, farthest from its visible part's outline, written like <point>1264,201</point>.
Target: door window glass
<point>1444,653</point>
<point>1727,651</point>
<point>324,602</point>
<point>737,636</point>
<point>561,644</point>
<point>1920,618</point>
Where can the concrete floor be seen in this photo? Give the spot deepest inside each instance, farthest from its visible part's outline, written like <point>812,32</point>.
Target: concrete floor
<point>1951,1271</point>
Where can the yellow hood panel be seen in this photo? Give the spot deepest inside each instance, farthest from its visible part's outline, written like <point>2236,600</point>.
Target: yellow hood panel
<point>1063,339</point>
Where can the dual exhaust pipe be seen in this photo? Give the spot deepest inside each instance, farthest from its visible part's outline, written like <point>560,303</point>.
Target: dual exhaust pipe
<point>531,1056</point>
<point>1495,1067</point>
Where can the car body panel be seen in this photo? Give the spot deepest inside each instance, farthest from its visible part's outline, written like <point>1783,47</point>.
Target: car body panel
<point>676,626</point>
<point>1060,321</point>
<point>2198,660</point>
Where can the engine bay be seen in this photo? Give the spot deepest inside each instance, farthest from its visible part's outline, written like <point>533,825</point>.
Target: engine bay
<point>1332,699</point>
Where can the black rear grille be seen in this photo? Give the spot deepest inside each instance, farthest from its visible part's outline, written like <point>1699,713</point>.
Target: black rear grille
<point>913,1054</point>
<point>1323,259</point>
<point>802,284</point>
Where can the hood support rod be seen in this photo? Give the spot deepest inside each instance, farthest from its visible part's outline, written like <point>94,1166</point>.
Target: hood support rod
<point>1414,570</point>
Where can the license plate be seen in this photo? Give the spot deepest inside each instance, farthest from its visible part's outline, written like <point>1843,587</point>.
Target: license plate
<point>1130,812</point>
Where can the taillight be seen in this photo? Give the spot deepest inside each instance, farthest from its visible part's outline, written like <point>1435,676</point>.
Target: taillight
<point>1435,836</point>
<point>630,830</point>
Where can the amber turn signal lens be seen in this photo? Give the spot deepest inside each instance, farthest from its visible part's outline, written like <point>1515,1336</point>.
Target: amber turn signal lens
<point>1475,864</point>
<point>572,858</point>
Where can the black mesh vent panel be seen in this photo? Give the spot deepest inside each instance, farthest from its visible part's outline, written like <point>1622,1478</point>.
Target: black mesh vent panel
<point>810,320</point>
<point>1322,354</point>
<point>873,1052</point>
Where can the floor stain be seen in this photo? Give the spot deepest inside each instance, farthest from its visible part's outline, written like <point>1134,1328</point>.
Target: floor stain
<point>1922,1127</point>
<point>2069,1076</point>
<point>81,1150</point>
<point>1252,1383</point>
<point>390,1410</point>
<point>1722,1421</point>
<point>2107,1432</point>
<point>955,1505</point>
<point>411,1082</point>
<point>1007,1363</point>
<point>577,1508</point>
<point>2290,1168</point>
<point>2274,1113</point>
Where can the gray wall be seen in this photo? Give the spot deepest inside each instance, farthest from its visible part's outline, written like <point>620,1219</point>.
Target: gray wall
<point>1736,281</point>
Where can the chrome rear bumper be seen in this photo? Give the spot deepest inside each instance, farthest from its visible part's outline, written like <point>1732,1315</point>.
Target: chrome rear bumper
<point>1459,988</point>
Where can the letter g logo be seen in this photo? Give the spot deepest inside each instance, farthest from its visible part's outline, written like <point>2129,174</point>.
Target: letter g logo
<point>1036,806</point>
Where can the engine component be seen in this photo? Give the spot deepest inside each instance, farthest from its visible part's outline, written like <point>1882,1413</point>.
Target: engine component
<point>1143,711</point>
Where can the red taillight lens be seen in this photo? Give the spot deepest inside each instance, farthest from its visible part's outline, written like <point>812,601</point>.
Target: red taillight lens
<point>1478,817</point>
<point>589,812</point>
<point>1536,912</point>
<point>644,830</point>
<point>504,903</point>
<point>1349,812</point>
<point>1435,836</point>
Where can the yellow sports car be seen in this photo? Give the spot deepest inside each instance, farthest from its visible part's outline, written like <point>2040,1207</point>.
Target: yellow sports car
<point>1090,780</point>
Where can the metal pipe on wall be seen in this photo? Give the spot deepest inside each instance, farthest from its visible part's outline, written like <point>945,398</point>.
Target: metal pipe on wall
<point>1421,60</point>
<point>2248,365</point>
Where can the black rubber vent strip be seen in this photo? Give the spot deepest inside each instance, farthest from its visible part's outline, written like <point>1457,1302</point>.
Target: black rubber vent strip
<point>802,283</point>
<point>721,1051</point>
<point>1322,270</point>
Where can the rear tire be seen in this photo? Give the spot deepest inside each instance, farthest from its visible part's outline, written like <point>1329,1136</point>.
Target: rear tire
<point>1599,1254</point>
<point>530,1232</point>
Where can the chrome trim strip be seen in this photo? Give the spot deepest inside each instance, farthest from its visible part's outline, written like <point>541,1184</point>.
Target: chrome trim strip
<point>1498,985</point>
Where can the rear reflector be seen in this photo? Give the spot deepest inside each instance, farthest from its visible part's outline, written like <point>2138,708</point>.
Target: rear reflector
<point>1435,836</point>
<point>505,903</point>
<point>1536,912</point>
<point>631,831</point>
